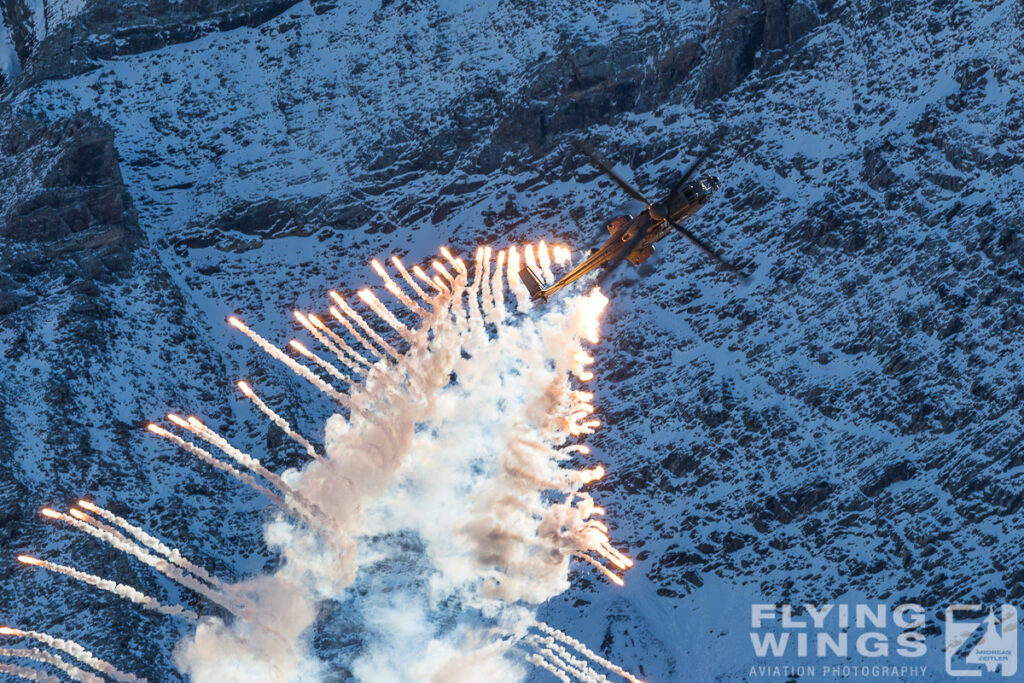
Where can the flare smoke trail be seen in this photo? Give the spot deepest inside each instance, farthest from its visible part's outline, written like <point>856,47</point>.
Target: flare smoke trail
<point>28,673</point>
<point>275,352</point>
<point>586,652</point>
<point>461,434</point>
<point>118,589</point>
<point>278,420</point>
<point>172,554</point>
<point>324,365</point>
<point>75,650</point>
<point>206,457</point>
<point>56,661</point>
<point>542,662</point>
<point>83,523</point>
<point>348,356</point>
<point>579,667</point>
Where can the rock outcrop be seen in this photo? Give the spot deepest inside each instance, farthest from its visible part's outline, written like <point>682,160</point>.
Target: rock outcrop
<point>69,214</point>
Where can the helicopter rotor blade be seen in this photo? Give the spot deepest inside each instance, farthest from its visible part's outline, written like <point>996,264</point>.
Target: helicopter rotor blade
<point>708,251</point>
<point>610,172</point>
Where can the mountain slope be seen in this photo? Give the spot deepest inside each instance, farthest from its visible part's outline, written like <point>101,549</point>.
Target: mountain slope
<point>846,423</point>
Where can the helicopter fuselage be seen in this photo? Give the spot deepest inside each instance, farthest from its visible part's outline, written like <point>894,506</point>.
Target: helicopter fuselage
<point>688,200</point>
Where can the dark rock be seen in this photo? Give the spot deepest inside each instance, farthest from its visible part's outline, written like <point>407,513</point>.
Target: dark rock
<point>17,15</point>
<point>790,505</point>
<point>751,33</point>
<point>126,28</point>
<point>70,200</point>
<point>896,472</point>
<point>738,35</point>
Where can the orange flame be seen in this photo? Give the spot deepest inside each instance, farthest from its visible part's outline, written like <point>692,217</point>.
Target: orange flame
<point>244,387</point>
<point>439,267</point>
<point>543,256</point>
<point>51,513</point>
<point>513,262</point>
<point>88,506</point>
<point>28,559</point>
<point>8,631</point>
<point>179,421</point>
<point>295,344</point>
<point>591,310</point>
<point>194,422</point>
<point>421,274</point>
<point>614,578</point>
<point>611,558</point>
<point>236,323</point>
<point>157,429</point>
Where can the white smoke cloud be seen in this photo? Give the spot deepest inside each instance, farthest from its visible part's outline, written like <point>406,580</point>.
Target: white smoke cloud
<point>447,463</point>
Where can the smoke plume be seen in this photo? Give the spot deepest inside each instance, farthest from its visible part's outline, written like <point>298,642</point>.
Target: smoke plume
<point>449,500</point>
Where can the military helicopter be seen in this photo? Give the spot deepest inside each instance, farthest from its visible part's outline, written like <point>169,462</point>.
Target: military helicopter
<point>633,238</point>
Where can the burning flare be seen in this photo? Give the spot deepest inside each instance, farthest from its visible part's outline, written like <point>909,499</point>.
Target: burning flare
<point>420,418</point>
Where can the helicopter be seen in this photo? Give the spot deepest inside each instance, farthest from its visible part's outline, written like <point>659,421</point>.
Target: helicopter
<point>632,238</point>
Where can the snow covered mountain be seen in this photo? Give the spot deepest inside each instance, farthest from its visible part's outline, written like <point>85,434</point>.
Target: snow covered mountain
<point>845,426</point>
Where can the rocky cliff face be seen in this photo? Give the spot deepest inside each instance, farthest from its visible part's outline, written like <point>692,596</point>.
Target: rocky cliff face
<point>59,38</point>
<point>848,422</point>
<point>69,198</point>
